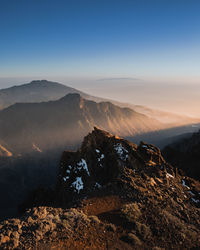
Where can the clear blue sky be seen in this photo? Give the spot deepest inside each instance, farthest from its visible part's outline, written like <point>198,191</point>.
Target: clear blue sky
<point>142,39</point>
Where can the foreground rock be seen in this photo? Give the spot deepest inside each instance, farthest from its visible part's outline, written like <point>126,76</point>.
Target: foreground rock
<point>119,195</point>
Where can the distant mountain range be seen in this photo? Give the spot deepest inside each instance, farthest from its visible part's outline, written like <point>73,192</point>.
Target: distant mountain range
<point>43,90</point>
<point>40,126</point>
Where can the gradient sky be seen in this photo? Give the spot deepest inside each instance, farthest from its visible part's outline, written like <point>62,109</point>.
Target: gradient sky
<point>150,40</point>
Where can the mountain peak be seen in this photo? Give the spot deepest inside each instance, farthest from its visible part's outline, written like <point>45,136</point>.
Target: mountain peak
<point>73,99</point>
<point>125,194</point>
<point>109,156</point>
<point>72,96</point>
<point>40,82</point>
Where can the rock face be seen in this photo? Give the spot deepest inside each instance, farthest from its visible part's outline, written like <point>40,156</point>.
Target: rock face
<point>105,160</point>
<point>119,196</point>
<point>185,155</point>
<point>108,165</point>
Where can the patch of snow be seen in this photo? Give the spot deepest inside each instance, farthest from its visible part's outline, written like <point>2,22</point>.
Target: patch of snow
<point>68,171</point>
<point>78,184</point>
<point>97,185</point>
<point>196,201</point>
<point>101,157</point>
<point>121,151</point>
<point>98,151</point>
<point>70,167</point>
<point>190,192</point>
<point>183,183</point>
<point>65,178</point>
<point>169,175</point>
<point>83,164</point>
<point>144,146</point>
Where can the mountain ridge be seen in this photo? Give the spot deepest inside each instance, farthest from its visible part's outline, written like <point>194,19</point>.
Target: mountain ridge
<point>110,194</point>
<point>70,117</point>
<point>44,90</point>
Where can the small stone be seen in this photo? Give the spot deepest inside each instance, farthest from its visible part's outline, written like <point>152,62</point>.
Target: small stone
<point>15,234</point>
<point>15,243</point>
<point>4,239</point>
<point>30,220</point>
<point>54,234</point>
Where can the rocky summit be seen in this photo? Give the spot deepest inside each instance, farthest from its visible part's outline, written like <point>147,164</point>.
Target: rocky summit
<point>111,194</point>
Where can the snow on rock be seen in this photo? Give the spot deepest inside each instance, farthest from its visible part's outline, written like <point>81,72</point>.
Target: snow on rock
<point>190,192</point>
<point>196,201</point>
<point>78,184</point>
<point>121,151</point>
<point>83,165</point>
<point>65,178</point>
<point>183,183</point>
<point>101,157</point>
<point>97,185</point>
<point>67,172</point>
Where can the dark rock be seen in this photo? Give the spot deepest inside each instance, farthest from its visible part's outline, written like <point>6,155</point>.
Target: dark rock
<point>119,193</point>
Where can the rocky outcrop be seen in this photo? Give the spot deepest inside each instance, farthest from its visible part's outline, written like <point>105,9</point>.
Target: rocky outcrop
<point>107,162</point>
<point>44,227</point>
<point>119,196</point>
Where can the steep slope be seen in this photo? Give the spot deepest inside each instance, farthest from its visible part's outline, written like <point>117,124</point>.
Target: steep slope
<point>64,122</point>
<point>184,154</point>
<point>119,196</point>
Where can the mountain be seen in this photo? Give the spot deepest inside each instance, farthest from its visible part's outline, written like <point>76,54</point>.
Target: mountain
<point>35,91</point>
<point>110,194</point>
<point>25,127</point>
<point>43,90</point>
<point>184,153</point>
<point>33,135</point>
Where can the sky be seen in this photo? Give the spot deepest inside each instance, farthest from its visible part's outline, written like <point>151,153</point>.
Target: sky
<point>111,48</point>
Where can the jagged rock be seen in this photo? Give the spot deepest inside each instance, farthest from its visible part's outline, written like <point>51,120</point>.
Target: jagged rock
<point>104,160</point>
<point>120,195</point>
